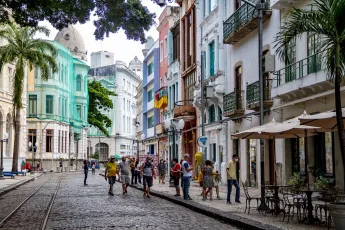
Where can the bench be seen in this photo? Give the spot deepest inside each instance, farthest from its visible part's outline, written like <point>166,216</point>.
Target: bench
<point>9,175</point>
<point>16,173</point>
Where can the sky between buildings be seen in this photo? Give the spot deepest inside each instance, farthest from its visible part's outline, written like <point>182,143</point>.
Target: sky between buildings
<point>124,50</point>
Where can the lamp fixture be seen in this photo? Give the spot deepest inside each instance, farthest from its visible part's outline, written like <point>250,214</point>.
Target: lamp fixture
<point>163,2</point>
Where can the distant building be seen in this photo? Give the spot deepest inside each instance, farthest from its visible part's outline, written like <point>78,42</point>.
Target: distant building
<point>58,108</point>
<point>101,58</point>
<point>124,82</point>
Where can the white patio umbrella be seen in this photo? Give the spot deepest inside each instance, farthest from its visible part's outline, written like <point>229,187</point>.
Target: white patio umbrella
<point>326,120</point>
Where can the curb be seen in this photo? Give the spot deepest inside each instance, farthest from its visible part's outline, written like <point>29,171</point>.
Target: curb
<point>224,217</point>
<point>15,186</point>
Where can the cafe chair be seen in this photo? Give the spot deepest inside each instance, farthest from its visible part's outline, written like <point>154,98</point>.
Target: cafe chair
<point>249,198</point>
<point>290,205</point>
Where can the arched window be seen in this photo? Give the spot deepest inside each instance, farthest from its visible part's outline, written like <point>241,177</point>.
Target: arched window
<point>103,151</point>
<point>212,114</point>
<point>78,83</point>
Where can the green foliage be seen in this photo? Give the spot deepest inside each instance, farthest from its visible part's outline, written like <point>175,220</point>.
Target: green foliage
<point>296,180</point>
<point>99,100</point>
<point>321,183</point>
<point>110,16</point>
<point>23,50</point>
<point>95,156</point>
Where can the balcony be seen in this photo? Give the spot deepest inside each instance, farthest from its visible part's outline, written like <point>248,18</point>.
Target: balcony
<point>282,4</point>
<point>253,95</point>
<point>161,98</point>
<point>184,110</point>
<point>301,79</point>
<point>233,104</point>
<point>241,23</point>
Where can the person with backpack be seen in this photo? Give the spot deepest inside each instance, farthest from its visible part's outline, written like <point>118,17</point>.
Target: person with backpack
<point>147,169</point>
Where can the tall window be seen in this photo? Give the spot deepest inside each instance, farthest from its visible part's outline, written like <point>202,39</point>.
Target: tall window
<point>150,95</point>
<point>124,104</point>
<point>189,82</point>
<point>49,140</point>
<point>314,59</point>
<point>176,42</point>
<point>78,83</point>
<point>150,122</point>
<point>161,51</point>
<point>59,143</point>
<point>150,68</point>
<point>49,104</point>
<point>212,114</point>
<point>220,114</point>
<point>290,67</point>
<point>79,111</point>
<point>32,104</point>
<point>165,47</point>
<point>298,155</point>
<point>211,49</point>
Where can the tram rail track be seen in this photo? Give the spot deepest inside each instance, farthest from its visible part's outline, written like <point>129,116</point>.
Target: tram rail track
<point>44,221</point>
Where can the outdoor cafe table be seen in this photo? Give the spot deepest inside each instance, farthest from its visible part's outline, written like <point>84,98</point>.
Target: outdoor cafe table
<point>310,218</point>
<point>275,189</point>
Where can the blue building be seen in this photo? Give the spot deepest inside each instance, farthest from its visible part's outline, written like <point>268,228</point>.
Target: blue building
<point>150,85</point>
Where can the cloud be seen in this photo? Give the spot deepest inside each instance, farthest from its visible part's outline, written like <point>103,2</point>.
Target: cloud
<point>123,49</point>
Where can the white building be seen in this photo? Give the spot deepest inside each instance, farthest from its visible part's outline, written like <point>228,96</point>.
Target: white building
<point>124,82</point>
<point>6,111</point>
<point>101,58</point>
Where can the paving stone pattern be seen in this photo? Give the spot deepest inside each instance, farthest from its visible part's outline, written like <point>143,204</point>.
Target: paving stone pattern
<point>90,207</point>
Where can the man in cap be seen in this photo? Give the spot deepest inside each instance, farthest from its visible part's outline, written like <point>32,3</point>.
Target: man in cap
<point>147,169</point>
<point>187,171</point>
<point>110,173</point>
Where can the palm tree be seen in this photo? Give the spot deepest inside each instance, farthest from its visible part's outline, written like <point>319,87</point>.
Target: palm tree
<point>25,51</point>
<point>324,18</point>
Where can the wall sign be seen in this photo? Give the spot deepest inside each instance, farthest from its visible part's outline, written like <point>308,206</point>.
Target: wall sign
<point>203,141</point>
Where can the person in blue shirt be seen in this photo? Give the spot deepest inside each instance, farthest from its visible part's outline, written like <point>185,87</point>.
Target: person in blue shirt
<point>187,176</point>
<point>86,171</point>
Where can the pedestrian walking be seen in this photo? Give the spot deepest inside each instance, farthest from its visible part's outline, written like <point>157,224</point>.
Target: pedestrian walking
<point>124,170</point>
<point>61,166</point>
<point>86,171</point>
<point>93,168</point>
<point>132,166</point>
<point>207,180</point>
<point>161,170</point>
<point>147,169</point>
<point>232,179</point>
<point>137,172</point>
<point>187,176</point>
<point>216,180</point>
<point>176,171</point>
<point>110,173</point>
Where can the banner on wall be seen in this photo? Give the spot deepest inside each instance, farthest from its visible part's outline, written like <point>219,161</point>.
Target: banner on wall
<point>213,137</point>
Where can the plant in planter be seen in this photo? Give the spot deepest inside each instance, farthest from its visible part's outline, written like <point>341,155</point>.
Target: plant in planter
<point>295,180</point>
<point>321,183</point>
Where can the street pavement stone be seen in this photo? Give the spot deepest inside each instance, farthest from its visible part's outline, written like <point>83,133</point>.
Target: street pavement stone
<point>90,207</point>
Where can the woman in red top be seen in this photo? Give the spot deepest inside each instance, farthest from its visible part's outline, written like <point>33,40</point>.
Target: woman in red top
<point>176,170</point>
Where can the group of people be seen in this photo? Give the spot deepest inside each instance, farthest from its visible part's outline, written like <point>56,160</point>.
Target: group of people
<point>183,171</point>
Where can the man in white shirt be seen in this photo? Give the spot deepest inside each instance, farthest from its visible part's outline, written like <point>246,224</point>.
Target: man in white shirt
<point>187,176</point>
<point>137,172</point>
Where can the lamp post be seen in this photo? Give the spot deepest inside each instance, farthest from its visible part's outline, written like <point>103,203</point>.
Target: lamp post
<point>5,139</point>
<point>174,126</point>
<point>142,141</point>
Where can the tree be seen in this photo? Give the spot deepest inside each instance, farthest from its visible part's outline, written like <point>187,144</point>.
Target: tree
<point>324,18</point>
<point>95,156</point>
<point>99,100</point>
<point>25,51</point>
<point>112,15</point>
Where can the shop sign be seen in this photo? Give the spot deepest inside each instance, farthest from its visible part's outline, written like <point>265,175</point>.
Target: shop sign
<point>213,137</point>
<point>159,129</point>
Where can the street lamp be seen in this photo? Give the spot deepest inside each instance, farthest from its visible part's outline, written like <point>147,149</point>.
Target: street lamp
<point>5,139</point>
<point>163,2</point>
<point>173,126</point>
<point>33,153</point>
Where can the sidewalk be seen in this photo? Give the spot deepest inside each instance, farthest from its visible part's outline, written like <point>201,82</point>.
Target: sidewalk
<point>233,213</point>
<point>9,184</point>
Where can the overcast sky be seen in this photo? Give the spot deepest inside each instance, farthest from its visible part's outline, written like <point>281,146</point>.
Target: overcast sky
<point>124,50</point>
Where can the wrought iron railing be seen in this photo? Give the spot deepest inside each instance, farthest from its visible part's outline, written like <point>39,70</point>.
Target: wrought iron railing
<point>253,92</point>
<point>233,101</point>
<point>243,15</point>
<point>302,68</point>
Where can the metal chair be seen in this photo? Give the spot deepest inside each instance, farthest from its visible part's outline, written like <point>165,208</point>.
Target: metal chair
<point>249,198</point>
<point>290,202</point>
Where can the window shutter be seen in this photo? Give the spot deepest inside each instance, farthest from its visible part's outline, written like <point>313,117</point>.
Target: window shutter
<point>170,47</point>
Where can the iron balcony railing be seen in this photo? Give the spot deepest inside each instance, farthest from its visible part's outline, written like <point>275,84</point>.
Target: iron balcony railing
<point>233,101</point>
<point>243,15</point>
<point>302,68</point>
<point>253,92</point>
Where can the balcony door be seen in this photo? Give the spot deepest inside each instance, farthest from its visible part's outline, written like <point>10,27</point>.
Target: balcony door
<point>238,86</point>
<point>290,65</point>
<point>314,59</point>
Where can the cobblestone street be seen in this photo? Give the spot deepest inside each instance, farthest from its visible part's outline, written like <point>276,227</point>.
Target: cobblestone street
<point>90,207</point>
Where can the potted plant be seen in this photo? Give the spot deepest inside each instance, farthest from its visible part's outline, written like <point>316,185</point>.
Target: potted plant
<point>321,183</point>
<point>295,180</point>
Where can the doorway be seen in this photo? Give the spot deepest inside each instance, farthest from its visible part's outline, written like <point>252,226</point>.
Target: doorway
<point>271,155</point>
<point>238,86</point>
